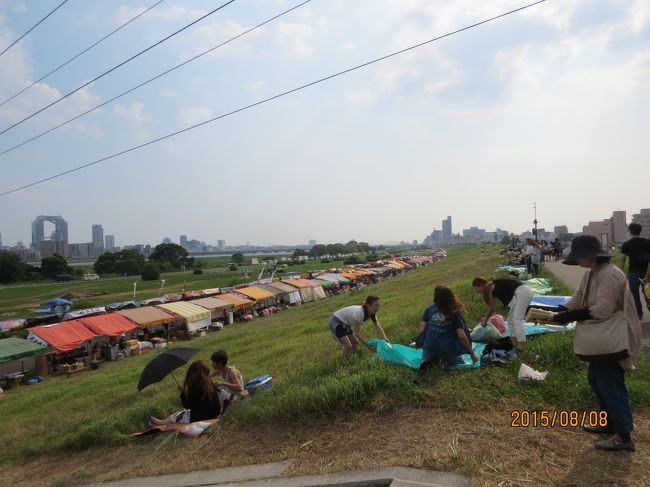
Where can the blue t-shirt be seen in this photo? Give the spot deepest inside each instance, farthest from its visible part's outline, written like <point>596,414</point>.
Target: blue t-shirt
<point>440,334</point>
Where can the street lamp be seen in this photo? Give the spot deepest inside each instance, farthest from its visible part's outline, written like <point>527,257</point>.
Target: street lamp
<point>535,221</point>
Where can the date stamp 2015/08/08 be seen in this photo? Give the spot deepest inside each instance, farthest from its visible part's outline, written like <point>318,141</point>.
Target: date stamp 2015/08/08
<point>561,419</point>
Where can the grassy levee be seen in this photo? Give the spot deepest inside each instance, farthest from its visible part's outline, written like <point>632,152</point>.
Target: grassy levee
<point>18,300</point>
<point>99,408</point>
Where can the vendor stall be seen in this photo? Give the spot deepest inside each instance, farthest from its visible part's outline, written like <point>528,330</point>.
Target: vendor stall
<point>259,295</point>
<point>195,317</point>
<point>17,358</point>
<point>62,337</point>
<point>306,291</point>
<point>239,303</point>
<point>148,317</point>
<point>218,307</point>
<point>291,294</point>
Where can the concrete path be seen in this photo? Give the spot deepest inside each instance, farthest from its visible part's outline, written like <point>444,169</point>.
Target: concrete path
<point>269,475</point>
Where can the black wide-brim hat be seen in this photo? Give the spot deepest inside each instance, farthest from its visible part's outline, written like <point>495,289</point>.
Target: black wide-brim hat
<point>585,247</point>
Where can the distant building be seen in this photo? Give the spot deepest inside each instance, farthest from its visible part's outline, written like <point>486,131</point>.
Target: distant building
<point>167,240</point>
<point>50,247</point>
<point>109,243</point>
<point>611,231</point>
<point>312,243</point>
<point>81,250</point>
<point>98,240</point>
<point>446,230</point>
<point>643,219</point>
<point>60,233</point>
<point>221,244</point>
<point>415,243</point>
<point>474,235</point>
<point>183,240</point>
<point>560,230</point>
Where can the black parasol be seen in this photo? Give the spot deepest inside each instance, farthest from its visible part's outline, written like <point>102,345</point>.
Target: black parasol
<point>164,364</point>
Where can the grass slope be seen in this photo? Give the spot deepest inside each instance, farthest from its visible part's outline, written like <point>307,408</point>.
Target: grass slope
<point>98,409</point>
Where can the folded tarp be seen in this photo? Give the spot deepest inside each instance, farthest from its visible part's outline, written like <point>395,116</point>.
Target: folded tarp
<point>112,325</point>
<point>210,292</point>
<point>518,270</point>
<point>236,300</point>
<point>196,317</point>
<point>148,317</point>
<point>410,357</point>
<point>192,294</point>
<point>255,293</point>
<point>17,348</point>
<point>549,301</point>
<point>62,337</point>
<point>12,325</point>
<point>74,315</point>
<point>539,286</point>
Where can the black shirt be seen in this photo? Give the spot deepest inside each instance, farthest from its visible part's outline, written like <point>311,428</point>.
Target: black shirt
<point>504,289</point>
<point>202,408</point>
<point>638,251</point>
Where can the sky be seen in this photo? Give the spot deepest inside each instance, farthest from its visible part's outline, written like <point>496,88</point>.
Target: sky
<point>549,105</point>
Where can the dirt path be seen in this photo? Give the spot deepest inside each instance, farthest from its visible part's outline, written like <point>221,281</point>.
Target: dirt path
<point>479,443</point>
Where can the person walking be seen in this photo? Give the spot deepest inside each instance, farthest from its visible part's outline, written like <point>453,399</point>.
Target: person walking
<point>515,295</point>
<point>345,325</point>
<point>608,336</point>
<point>637,250</point>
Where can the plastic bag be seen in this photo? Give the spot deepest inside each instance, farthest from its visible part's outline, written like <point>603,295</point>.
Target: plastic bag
<point>494,330</point>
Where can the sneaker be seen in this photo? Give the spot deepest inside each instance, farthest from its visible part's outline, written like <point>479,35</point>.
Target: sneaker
<point>614,443</point>
<point>597,430</point>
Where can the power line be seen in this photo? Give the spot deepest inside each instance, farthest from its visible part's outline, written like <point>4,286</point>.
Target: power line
<point>266,100</point>
<point>152,79</point>
<point>116,67</point>
<point>81,53</point>
<point>33,27</point>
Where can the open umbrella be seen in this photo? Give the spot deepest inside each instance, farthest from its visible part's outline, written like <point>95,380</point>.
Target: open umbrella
<point>164,364</point>
<point>56,302</point>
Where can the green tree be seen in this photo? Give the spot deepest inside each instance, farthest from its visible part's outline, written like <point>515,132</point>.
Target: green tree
<point>105,263</point>
<point>364,247</point>
<point>54,266</point>
<point>317,251</point>
<point>299,253</point>
<point>352,247</point>
<point>238,258</point>
<point>232,267</point>
<point>150,272</point>
<point>372,258</point>
<point>11,267</point>
<point>172,253</point>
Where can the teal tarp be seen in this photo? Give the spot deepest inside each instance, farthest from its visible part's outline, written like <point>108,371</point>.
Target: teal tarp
<point>411,357</point>
<point>539,286</point>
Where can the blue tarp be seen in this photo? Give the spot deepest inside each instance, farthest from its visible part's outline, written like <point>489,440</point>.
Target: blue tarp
<point>411,357</point>
<point>549,301</point>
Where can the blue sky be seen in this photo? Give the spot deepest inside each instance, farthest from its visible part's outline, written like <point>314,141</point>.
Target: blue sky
<point>548,105</point>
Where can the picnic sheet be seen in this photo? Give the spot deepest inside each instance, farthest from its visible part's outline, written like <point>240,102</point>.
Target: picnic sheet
<point>518,270</point>
<point>549,301</point>
<point>193,430</point>
<point>411,357</point>
<point>539,285</point>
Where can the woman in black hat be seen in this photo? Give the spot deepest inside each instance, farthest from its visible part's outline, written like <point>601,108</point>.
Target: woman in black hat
<point>608,336</point>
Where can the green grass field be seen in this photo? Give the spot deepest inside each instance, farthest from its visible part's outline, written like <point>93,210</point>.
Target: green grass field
<point>99,408</point>
<point>16,301</point>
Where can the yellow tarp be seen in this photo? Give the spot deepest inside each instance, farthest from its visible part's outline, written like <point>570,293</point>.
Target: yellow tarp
<point>255,292</point>
<point>191,312</point>
<point>296,283</point>
<point>213,304</point>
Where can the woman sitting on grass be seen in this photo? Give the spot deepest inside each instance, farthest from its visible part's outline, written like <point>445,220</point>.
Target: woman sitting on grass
<point>443,333</point>
<point>200,397</point>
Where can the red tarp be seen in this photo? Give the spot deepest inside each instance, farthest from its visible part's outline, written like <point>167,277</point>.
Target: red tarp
<point>112,325</point>
<point>65,336</point>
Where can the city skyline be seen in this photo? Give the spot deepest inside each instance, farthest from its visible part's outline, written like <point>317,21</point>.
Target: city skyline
<point>446,126</point>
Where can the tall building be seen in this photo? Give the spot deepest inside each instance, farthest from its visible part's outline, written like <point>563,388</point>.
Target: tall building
<point>38,230</point>
<point>80,250</point>
<point>312,243</point>
<point>183,240</point>
<point>50,247</point>
<point>560,230</point>
<point>643,219</point>
<point>474,235</point>
<point>221,244</point>
<point>109,242</point>
<point>610,231</point>
<point>446,230</point>
<point>98,240</point>
<point>167,240</point>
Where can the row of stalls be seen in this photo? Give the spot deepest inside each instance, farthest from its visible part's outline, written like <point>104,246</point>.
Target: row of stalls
<point>115,331</point>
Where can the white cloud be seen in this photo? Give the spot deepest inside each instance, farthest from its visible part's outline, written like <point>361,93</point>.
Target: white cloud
<point>135,114</point>
<point>348,46</point>
<point>214,33</point>
<point>172,12</point>
<point>359,97</point>
<point>192,116</point>
<point>256,85</point>
<point>295,37</point>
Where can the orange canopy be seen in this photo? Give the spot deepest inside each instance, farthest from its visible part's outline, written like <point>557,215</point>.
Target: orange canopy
<point>255,293</point>
<point>349,275</point>
<point>236,300</point>
<point>111,325</point>
<point>148,316</point>
<point>297,283</point>
<point>65,336</point>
